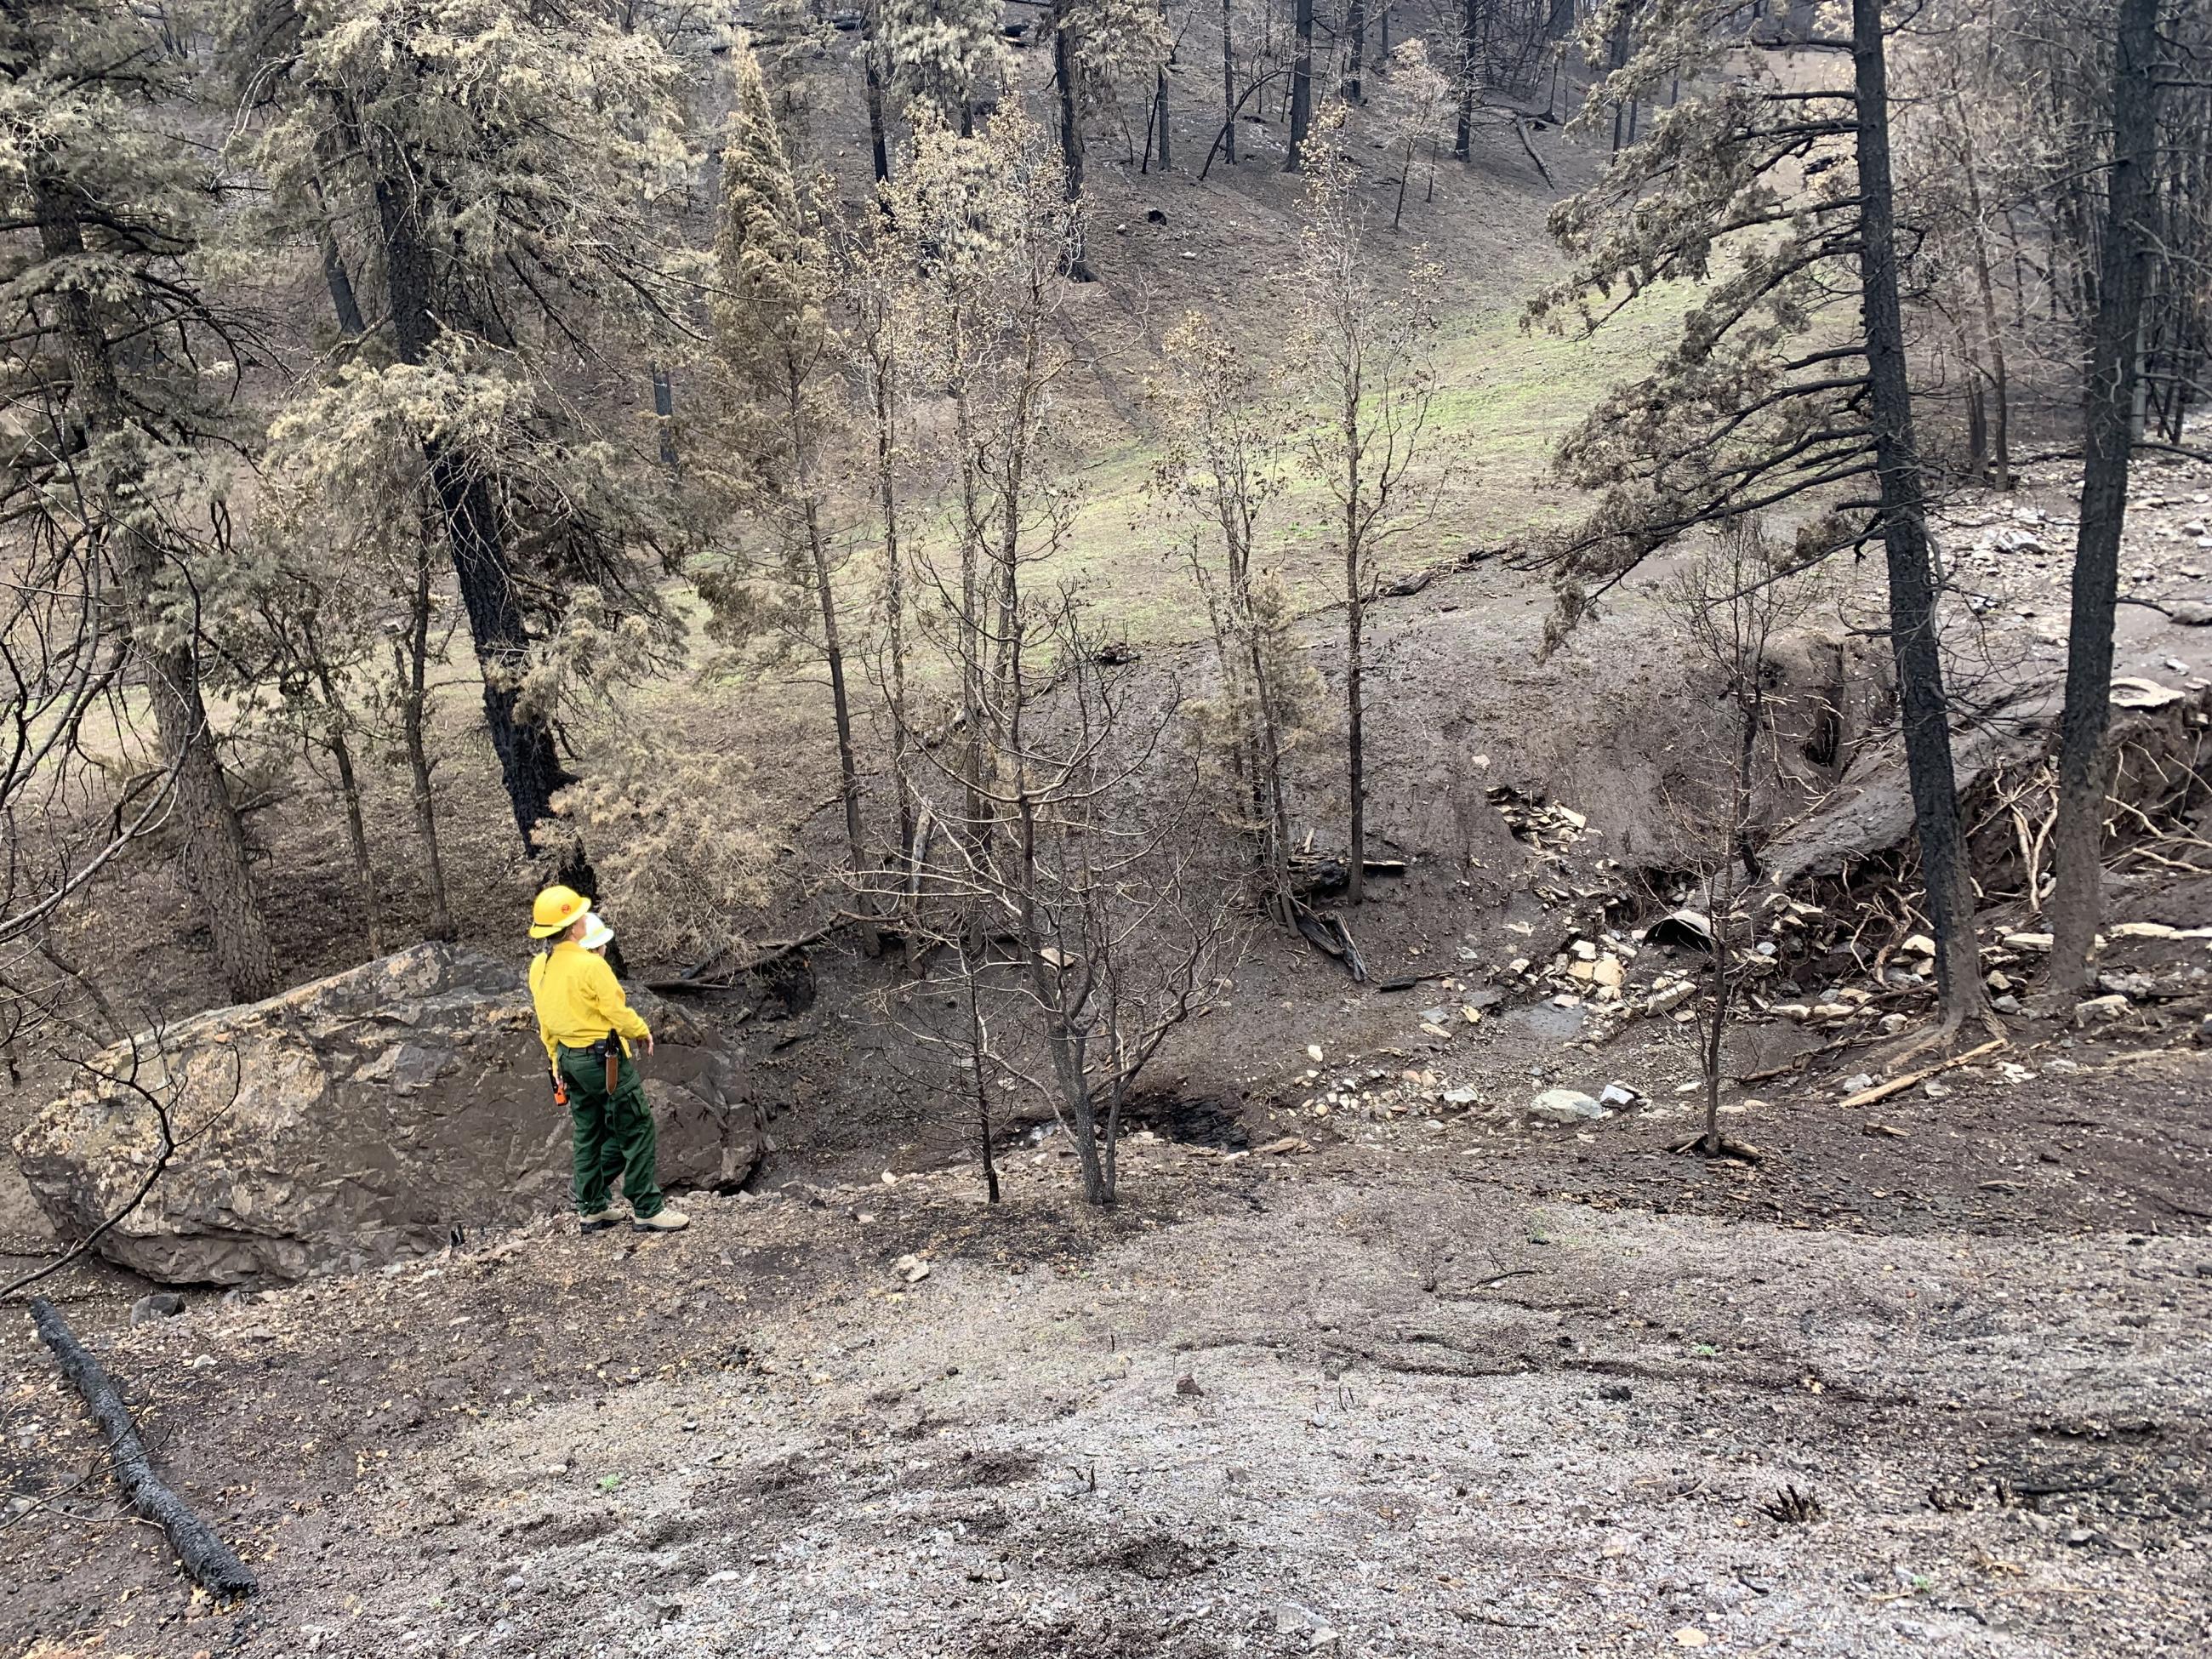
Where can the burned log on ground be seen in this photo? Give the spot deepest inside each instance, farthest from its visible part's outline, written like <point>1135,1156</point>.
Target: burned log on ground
<point>212,1563</point>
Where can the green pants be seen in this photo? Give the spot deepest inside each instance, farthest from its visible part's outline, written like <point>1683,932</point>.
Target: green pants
<point>612,1137</point>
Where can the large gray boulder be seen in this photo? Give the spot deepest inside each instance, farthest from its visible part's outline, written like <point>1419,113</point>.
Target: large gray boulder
<point>353,1121</point>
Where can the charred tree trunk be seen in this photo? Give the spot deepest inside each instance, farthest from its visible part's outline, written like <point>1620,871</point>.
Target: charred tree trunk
<point>1912,591</point>
<point>1071,133</point>
<point>1301,83</point>
<point>2077,903</point>
<point>979,1049</point>
<point>1355,48</point>
<point>1998,428</point>
<point>1355,665</point>
<point>878,143</point>
<point>1463,141</point>
<point>411,665</point>
<point>1160,109</point>
<point>849,771</point>
<point>341,751</point>
<point>214,858</point>
<point>212,1563</point>
<point>895,640</point>
<point>530,767</point>
<point>1229,82</point>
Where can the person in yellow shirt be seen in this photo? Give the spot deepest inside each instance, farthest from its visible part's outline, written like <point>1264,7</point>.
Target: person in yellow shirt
<point>588,1027</point>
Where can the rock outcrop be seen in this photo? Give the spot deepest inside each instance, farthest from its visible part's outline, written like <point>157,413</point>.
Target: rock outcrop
<point>353,1121</point>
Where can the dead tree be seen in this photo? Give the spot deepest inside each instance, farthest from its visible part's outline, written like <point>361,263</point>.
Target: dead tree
<point>103,483</point>
<point>1368,354</point>
<point>1097,934</point>
<point>1301,83</point>
<point>2084,769</point>
<point>1736,596</point>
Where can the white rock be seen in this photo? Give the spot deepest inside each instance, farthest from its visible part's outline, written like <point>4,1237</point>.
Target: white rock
<point>1565,1106</point>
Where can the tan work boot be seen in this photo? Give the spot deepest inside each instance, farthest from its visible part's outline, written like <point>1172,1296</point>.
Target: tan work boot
<point>666,1221</point>
<point>599,1220</point>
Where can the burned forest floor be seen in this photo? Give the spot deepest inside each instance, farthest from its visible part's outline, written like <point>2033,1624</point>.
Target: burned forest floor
<point>1450,1382</point>
<point>1370,1359</point>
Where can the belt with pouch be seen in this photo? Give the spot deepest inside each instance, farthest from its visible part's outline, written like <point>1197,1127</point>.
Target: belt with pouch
<point>609,1047</point>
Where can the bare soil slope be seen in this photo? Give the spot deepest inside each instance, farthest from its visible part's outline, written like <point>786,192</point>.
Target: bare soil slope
<point>1370,1398</point>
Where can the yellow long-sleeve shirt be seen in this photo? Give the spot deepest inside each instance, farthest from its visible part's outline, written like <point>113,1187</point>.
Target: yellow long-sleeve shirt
<point>578,1000</point>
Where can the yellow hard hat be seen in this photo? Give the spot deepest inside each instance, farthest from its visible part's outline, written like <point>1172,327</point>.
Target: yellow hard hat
<point>554,909</point>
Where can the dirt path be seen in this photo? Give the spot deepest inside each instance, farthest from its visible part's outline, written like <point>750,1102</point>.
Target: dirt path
<point>1425,1414</point>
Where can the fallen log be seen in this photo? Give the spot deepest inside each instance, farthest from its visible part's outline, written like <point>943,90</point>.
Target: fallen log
<point>1328,872</point>
<point>1897,1085</point>
<point>767,956</point>
<point>210,1560</point>
<point>1328,935</point>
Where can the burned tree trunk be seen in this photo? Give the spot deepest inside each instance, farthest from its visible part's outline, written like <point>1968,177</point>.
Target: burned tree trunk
<point>214,857</point>
<point>211,1562</point>
<point>1071,133</point>
<point>1301,83</point>
<point>1903,522</point>
<point>2077,903</point>
<point>871,57</point>
<point>529,768</point>
<point>411,665</point>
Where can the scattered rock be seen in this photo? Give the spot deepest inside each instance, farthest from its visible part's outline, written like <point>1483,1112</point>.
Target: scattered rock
<point>911,1268</point>
<point>2130,691</point>
<point>1856,1081</point>
<point>161,1304</point>
<point>1290,1618</point>
<point>1567,1106</point>
<point>2093,1010</point>
<point>1617,1095</point>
